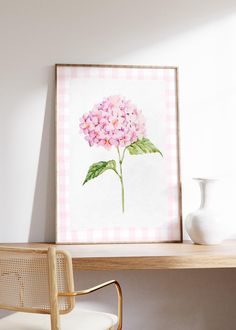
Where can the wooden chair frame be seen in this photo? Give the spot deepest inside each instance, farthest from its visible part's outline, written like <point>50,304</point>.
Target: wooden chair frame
<point>53,290</point>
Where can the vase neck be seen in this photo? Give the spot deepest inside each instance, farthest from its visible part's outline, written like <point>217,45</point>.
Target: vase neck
<point>207,188</point>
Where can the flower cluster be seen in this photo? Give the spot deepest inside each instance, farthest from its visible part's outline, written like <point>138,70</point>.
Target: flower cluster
<point>113,122</point>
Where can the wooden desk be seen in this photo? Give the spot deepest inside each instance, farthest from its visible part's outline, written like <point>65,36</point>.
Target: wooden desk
<point>147,256</point>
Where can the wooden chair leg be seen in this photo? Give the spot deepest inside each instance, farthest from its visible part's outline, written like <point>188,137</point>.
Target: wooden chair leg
<point>55,318</point>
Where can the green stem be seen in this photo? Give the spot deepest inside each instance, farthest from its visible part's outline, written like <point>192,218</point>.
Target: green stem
<point>116,173</point>
<point>121,179</point>
<point>123,155</point>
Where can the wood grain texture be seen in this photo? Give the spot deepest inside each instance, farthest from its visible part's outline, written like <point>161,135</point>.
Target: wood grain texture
<point>147,256</point>
<point>55,320</point>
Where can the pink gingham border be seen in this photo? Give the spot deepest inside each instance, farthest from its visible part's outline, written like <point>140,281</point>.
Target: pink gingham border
<point>166,232</point>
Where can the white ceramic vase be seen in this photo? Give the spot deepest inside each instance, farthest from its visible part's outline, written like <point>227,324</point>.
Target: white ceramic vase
<point>204,226</point>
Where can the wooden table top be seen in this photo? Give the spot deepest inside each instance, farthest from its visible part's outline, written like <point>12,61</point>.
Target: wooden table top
<point>147,256</point>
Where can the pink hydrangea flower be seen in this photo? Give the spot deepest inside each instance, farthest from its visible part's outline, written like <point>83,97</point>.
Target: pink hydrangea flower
<point>113,122</point>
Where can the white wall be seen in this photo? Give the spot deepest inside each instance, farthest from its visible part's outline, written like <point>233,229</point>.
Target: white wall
<point>199,37</point>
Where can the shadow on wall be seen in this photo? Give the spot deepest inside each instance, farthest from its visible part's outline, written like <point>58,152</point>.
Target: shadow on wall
<point>195,299</point>
<point>42,226</point>
<point>106,30</point>
<point>133,25</point>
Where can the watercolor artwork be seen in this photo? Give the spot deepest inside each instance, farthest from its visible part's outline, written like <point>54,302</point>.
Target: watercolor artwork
<point>116,123</point>
<point>118,175</point>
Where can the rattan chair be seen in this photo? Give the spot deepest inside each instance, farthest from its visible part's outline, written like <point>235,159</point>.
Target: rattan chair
<point>36,282</point>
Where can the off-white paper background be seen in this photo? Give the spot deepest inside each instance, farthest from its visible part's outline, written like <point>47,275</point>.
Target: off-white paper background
<point>97,204</point>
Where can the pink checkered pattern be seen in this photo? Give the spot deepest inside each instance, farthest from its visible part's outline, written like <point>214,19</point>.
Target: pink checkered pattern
<point>63,154</point>
<point>166,232</point>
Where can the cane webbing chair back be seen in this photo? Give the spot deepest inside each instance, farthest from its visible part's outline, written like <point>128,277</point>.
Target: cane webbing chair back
<point>24,280</point>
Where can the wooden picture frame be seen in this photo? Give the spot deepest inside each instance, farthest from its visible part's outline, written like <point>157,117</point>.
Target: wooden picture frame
<point>117,154</point>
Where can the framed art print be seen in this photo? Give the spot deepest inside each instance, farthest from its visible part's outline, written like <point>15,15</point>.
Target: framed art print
<point>117,143</point>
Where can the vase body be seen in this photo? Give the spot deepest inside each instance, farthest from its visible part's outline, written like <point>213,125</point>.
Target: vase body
<point>204,226</point>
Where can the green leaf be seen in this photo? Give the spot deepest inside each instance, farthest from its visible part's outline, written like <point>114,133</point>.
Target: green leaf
<point>143,146</point>
<point>97,169</point>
